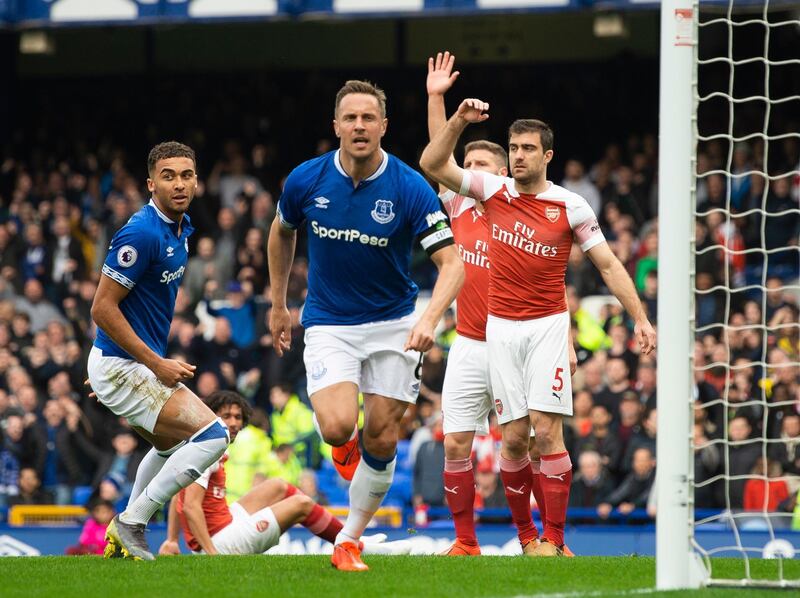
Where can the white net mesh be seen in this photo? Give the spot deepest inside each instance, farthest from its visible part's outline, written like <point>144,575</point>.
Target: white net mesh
<point>747,186</point>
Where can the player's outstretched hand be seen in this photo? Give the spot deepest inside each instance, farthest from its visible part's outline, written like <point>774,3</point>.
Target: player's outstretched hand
<point>172,371</point>
<point>473,110</point>
<point>440,74</point>
<point>646,335</point>
<point>168,548</point>
<point>420,338</point>
<point>280,327</point>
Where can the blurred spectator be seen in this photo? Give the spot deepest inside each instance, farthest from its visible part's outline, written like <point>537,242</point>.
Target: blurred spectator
<point>429,468</point>
<point>761,494</point>
<point>581,420</point>
<point>592,484</point>
<point>634,490</point>
<point>200,269</point>
<point>618,384</point>
<point>644,438</point>
<point>33,303</point>
<point>250,457</point>
<point>602,440</point>
<point>93,535</point>
<point>240,312</point>
<point>292,423</point>
<point>489,493</point>
<point>122,463</point>
<point>787,451</point>
<point>286,466</point>
<point>707,463</point>
<point>60,461</point>
<point>30,490</point>
<point>575,180</point>
<point>620,347</point>
<point>742,457</point>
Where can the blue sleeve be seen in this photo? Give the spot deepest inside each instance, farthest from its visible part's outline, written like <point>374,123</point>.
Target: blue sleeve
<point>290,204</point>
<point>428,219</point>
<point>129,255</point>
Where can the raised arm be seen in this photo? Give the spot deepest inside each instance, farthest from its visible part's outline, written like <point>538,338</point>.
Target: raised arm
<point>440,79</point>
<point>280,249</point>
<point>435,160</point>
<point>451,277</point>
<point>620,284</point>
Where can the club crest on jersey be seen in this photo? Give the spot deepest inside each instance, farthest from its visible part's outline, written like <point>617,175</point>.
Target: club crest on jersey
<point>383,214</point>
<point>318,370</point>
<point>552,213</point>
<point>498,406</point>
<point>126,256</point>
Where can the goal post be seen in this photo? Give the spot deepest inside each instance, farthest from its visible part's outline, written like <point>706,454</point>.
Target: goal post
<point>676,565</point>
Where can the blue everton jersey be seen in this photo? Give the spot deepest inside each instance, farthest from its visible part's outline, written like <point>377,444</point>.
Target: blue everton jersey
<point>360,239</point>
<point>148,257</point>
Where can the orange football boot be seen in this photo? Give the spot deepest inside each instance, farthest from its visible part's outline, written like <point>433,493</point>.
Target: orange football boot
<point>567,551</point>
<point>347,557</point>
<point>460,549</point>
<point>346,458</point>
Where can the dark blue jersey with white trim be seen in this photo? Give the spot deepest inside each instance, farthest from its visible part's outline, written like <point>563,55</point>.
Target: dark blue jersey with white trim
<point>148,257</point>
<point>360,238</point>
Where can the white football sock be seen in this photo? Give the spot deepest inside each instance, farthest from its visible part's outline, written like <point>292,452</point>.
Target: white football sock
<point>367,490</point>
<point>182,468</point>
<point>151,464</point>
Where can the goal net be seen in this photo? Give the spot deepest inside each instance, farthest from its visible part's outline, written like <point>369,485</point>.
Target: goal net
<point>741,62</point>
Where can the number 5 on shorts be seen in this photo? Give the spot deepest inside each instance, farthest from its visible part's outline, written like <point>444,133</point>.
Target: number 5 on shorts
<point>558,384</point>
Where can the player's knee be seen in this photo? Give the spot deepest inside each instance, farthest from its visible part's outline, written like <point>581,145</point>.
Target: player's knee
<point>456,447</point>
<point>303,503</point>
<point>383,444</point>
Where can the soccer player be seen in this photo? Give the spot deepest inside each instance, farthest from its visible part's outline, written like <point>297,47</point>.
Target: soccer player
<point>362,209</point>
<point>127,368</point>
<point>466,394</point>
<point>254,523</point>
<point>532,225</point>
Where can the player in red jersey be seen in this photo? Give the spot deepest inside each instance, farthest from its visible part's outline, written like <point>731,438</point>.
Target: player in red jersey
<point>255,522</point>
<point>466,394</point>
<point>533,224</point>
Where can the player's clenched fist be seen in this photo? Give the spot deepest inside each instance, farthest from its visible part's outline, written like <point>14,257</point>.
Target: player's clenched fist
<point>280,326</point>
<point>646,335</point>
<point>420,338</point>
<point>473,110</point>
<point>172,371</point>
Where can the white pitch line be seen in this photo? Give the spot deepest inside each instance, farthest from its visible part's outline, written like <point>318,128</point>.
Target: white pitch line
<point>591,593</point>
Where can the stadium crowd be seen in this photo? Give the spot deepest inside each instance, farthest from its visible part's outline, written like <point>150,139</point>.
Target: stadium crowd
<point>57,445</point>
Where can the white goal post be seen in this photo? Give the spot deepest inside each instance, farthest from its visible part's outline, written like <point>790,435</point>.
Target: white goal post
<point>675,559</point>
<point>683,93</point>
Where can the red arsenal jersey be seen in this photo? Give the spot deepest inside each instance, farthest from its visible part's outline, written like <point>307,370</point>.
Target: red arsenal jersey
<point>215,507</point>
<point>530,241</point>
<point>471,232</point>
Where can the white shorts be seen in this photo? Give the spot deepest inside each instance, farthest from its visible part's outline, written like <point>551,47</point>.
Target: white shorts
<point>241,536</point>
<point>467,394</point>
<point>128,389</point>
<point>369,355</point>
<point>529,365</point>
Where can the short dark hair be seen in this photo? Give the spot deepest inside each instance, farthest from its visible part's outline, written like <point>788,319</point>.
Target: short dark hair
<point>169,149</point>
<point>220,398</point>
<point>531,125</point>
<point>366,87</point>
<point>496,150</point>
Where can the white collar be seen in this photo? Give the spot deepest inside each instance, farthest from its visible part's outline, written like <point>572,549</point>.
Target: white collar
<point>384,163</point>
<point>160,213</point>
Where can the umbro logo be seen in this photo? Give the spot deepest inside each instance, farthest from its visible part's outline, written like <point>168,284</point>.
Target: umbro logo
<point>170,251</point>
<point>520,490</point>
<point>321,202</point>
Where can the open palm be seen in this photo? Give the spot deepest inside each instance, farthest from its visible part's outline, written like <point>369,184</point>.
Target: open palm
<point>440,73</point>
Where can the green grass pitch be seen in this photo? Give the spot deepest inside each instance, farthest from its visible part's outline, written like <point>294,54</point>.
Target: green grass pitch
<point>286,576</point>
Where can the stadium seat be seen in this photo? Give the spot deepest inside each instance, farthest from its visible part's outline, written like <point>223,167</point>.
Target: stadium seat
<point>81,494</point>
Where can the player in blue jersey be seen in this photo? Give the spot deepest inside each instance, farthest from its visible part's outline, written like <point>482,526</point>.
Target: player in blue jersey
<point>363,210</point>
<point>128,370</point>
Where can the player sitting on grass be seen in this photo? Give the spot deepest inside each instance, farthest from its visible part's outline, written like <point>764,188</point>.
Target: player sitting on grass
<point>255,522</point>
